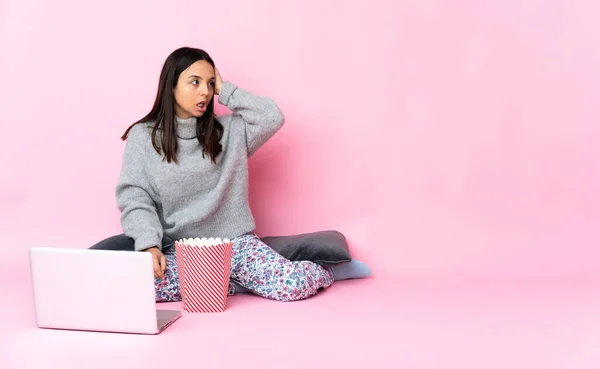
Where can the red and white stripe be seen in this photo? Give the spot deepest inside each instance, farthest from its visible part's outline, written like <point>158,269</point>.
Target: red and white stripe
<point>204,276</point>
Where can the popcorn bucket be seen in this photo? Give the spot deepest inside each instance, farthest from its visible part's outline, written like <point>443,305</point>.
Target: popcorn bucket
<point>204,270</point>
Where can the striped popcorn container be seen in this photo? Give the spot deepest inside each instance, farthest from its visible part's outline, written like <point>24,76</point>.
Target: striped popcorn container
<point>204,268</point>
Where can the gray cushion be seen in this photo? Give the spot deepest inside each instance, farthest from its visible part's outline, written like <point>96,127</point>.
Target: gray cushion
<point>323,247</point>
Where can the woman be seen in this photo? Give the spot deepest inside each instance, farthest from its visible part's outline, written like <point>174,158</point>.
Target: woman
<point>185,174</point>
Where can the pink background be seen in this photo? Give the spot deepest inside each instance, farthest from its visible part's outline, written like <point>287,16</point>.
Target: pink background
<point>454,142</point>
<point>454,138</point>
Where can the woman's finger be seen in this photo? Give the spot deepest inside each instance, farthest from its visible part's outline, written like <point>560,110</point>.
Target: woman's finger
<point>157,270</point>
<point>163,263</point>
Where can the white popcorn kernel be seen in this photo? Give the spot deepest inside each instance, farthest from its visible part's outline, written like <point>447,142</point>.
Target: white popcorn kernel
<point>204,241</point>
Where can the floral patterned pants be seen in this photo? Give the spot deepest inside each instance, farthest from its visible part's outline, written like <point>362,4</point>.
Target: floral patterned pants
<point>258,268</point>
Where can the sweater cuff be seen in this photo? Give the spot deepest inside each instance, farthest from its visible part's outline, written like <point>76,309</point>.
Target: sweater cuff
<point>227,90</point>
<point>144,243</point>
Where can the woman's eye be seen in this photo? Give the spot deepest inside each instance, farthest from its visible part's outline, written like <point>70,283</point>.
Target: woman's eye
<point>195,82</point>
<point>212,84</point>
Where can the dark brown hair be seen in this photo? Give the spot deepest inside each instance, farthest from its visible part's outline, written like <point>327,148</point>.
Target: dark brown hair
<point>209,130</point>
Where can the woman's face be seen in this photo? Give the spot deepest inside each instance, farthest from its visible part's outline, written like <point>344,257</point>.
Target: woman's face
<point>194,90</point>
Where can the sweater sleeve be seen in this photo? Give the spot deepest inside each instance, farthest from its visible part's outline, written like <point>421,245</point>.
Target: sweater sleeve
<point>262,116</point>
<point>139,217</point>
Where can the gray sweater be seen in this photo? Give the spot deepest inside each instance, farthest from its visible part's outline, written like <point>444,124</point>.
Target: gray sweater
<point>195,197</point>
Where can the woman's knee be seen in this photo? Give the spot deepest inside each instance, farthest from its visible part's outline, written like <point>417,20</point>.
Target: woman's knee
<point>115,243</point>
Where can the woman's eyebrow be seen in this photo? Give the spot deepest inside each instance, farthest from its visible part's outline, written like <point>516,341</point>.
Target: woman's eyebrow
<point>198,77</point>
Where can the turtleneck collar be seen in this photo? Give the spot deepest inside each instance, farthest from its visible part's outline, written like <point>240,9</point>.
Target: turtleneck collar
<point>185,128</point>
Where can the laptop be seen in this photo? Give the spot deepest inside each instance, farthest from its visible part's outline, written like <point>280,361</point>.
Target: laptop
<point>96,290</point>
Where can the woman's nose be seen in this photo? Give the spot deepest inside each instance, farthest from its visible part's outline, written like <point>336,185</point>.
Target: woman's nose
<point>203,89</point>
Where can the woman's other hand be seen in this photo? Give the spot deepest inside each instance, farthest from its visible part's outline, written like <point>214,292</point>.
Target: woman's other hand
<point>218,81</point>
<point>159,261</point>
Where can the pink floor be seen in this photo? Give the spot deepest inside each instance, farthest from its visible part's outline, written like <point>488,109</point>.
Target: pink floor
<point>382,322</point>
